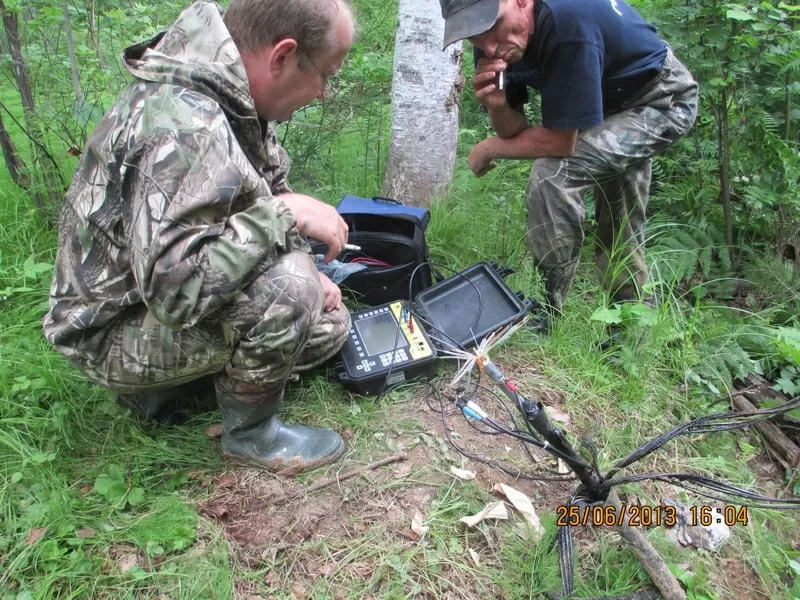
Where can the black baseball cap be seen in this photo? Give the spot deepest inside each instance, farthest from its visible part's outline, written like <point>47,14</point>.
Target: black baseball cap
<point>466,18</point>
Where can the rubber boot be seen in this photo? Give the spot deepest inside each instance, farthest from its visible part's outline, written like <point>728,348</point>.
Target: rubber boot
<point>557,281</point>
<point>175,405</point>
<point>253,435</point>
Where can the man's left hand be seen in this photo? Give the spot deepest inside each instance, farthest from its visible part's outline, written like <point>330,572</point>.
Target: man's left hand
<point>480,160</point>
<point>333,295</point>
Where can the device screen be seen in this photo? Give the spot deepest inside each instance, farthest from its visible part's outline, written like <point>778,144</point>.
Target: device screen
<point>379,334</point>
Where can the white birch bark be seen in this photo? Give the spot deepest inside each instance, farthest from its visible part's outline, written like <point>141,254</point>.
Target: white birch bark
<point>425,91</point>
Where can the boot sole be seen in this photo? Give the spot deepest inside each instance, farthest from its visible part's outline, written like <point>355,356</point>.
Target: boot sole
<point>286,467</point>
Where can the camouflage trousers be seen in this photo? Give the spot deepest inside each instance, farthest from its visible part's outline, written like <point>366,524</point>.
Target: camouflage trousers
<point>614,160</point>
<point>274,327</point>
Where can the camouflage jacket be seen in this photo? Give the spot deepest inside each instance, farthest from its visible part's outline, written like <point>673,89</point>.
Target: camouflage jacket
<point>172,205</point>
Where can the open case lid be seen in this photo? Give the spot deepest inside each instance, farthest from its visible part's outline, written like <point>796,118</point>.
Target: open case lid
<point>470,305</point>
<point>385,207</point>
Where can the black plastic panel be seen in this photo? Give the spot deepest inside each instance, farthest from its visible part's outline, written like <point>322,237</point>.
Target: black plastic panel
<point>470,305</point>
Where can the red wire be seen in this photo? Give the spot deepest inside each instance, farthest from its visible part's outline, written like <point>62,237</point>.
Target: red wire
<point>373,262</point>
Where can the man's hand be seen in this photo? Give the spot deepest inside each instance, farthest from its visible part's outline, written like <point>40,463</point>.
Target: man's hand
<point>333,295</point>
<point>320,221</point>
<point>485,82</point>
<point>480,158</point>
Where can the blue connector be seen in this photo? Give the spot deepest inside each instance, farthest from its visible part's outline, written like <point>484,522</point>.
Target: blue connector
<point>471,414</point>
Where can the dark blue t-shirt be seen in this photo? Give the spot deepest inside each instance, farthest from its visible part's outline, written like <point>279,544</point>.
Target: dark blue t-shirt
<point>586,57</point>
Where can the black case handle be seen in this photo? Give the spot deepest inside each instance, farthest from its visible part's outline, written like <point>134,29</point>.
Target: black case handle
<point>387,200</point>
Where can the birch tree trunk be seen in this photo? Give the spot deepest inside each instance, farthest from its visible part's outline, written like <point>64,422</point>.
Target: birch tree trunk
<point>425,90</point>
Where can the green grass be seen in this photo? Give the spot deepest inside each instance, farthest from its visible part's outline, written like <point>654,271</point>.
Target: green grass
<point>60,434</point>
<point>112,493</point>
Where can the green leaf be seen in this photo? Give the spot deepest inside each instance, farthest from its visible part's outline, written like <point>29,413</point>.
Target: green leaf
<point>154,549</point>
<point>639,314</point>
<point>103,483</point>
<point>116,493</point>
<point>608,316</point>
<point>16,477</point>
<point>793,563</point>
<point>136,496</point>
<point>115,472</point>
<point>39,458</point>
<point>739,13</point>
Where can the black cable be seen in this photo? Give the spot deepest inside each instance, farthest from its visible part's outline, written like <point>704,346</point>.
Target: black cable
<point>704,425</point>
<point>566,561</point>
<point>509,471</point>
<point>723,491</point>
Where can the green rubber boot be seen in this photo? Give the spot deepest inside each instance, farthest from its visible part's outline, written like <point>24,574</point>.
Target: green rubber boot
<point>253,435</point>
<point>172,406</point>
<point>557,281</point>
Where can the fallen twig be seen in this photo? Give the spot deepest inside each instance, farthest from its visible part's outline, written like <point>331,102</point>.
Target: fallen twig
<point>780,442</point>
<point>322,483</point>
<point>652,562</point>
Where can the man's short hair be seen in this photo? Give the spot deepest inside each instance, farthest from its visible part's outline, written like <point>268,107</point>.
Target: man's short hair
<point>254,24</point>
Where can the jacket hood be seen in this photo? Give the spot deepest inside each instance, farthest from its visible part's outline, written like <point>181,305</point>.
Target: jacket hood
<point>196,53</point>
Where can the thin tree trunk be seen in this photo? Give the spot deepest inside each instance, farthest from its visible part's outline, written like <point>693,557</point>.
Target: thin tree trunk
<point>94,32</point>
<point>16,167</point>
<point>787,109</point>
<point>724,171</point>
<point>425,91</point>
<point>73,62</point>
<point>51,185</point>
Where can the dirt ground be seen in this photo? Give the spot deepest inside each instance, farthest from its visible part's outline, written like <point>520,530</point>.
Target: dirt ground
<point>309,537</point>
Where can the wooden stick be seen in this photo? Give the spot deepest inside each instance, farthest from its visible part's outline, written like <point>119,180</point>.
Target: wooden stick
<point>652,562</point>
<point>779,441</point>
<point>322,483</point>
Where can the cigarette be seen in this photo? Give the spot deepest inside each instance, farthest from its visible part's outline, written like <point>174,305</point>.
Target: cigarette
<point>352,247</point>
<point>501,80</point>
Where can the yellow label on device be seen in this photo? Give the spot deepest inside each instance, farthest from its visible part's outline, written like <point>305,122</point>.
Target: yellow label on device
<point>418,346</point>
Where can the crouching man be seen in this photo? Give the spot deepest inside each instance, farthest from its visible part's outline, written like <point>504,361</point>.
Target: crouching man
<point>182,254</point>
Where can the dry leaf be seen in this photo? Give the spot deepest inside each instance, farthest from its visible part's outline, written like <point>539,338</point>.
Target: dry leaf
<point>557,415</point>
<point>402,470</point>
<point>298,591</point>
<point>524,505</point>
<point>85,532</point>
<point>128,562</point>
<point>417,524</point>
<point>226,480</point>
<point>326,570</point>
<point>475,558</point>
<point>462,474</point>
<point>271,579</point>
<point>35,535</point>
<point>493,510</point>
<point>215,431</point>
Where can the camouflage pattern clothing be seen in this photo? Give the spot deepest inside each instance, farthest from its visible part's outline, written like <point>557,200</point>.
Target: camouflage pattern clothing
<point>175,257</point>
<point>614,160</point>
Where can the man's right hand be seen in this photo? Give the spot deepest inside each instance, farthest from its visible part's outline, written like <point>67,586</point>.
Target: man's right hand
<point>485,82</point>
<point>318,220</point>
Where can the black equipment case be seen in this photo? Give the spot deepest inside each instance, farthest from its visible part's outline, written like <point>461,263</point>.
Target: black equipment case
<point>391,232</point>
<point>465,308</point>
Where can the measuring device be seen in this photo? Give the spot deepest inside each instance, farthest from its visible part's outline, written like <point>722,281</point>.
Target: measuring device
<point>386,345</point>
